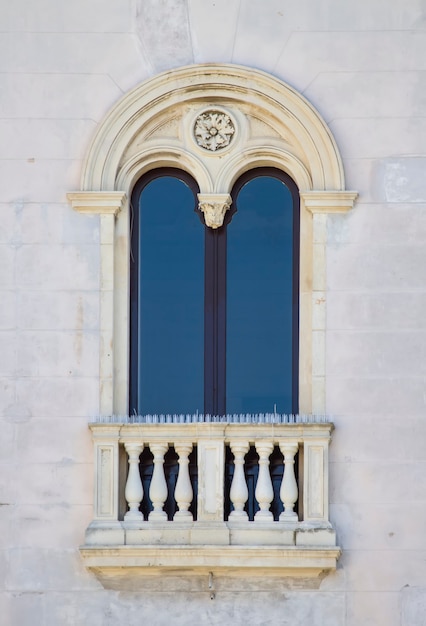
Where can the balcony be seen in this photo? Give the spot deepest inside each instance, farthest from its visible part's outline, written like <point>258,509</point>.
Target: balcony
<point>226,495</point>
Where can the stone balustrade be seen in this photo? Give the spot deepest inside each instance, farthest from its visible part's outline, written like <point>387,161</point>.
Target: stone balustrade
<point>205,535</point>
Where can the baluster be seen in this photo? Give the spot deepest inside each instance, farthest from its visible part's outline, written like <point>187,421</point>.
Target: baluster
<point>264,492</point>
<point>289,491</point>
<point>134,490</point>
<point>158,487</point>
<point>239,491</point>
<point>183,490</point>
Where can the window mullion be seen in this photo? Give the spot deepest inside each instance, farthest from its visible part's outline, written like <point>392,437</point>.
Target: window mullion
<point>215,322</point>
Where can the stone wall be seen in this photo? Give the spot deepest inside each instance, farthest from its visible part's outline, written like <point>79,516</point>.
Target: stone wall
<point>63,66</point>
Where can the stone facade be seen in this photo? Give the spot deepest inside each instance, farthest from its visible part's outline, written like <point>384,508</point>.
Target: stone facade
<point>64,67</point>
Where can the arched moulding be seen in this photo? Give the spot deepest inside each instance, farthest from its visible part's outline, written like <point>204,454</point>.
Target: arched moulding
<point>238,88</point>
<point>153,126</point>
<point>163,156</point>
<point>261,156</point>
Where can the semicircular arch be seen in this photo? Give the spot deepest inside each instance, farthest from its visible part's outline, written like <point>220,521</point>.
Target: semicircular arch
<point>157,111</point>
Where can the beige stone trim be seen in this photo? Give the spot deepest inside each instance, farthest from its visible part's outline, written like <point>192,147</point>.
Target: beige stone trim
<point>106,204</point>
<point>122,568</point>
<point>151,127</point>
<point>328,201</point>
<point>97,202</point>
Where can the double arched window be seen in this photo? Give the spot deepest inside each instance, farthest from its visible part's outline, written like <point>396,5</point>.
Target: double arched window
<point>214,312</point>
<point>211,334</point>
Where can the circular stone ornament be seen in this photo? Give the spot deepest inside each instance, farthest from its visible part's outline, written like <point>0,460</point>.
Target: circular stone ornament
<point>214,130</point>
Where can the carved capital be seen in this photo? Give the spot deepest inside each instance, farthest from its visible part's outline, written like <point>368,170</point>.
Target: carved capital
<point>214,207</point>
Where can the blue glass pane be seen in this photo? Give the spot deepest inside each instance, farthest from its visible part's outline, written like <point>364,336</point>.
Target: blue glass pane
<point>260,299</point>
<point>171,299</point>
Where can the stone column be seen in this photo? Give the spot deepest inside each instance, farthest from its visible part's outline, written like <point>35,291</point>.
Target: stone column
<point>239,491</point>
<point>264,492</point>
<point>288,491</point>
<point>183,491</point>
<point>134,490</point>
<point>158,487</point>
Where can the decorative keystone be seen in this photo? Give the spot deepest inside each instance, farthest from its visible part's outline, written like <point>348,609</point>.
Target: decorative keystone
<point>214,207</point>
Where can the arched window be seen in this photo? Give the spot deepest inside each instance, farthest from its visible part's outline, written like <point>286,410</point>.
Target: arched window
<point>167,293</point>
<point>214,312</point>
<point>263,294</point>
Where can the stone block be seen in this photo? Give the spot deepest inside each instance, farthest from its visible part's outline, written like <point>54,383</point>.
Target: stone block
<point>378,268</point>
<point>376,311</point>
<point>413,606</point>
<point>37,180</point>
<point>383,570</point>
<point>382,398</point>
<point>9,536</point>
<point>7,266</point>
<point>207,48</point>
<point>377,138</point>
<point>8,310</point>
<point>266,40</point>
<point>58,526</point>
<point>370,440</point>
<point>164,31</point>
<point>282,607</point>
<point>116,17</point>
<point>371,609</point>
<point>8,353</point>
<point>89,607</point>
<point>372,224</point>
<point>49,353</point>
<point>75,53</point>
<point>7,397</point>
<point>9,217</point>
<point>54,224</point>
<point>75,396</point>
<point>376,354</point>
<point>23,608</point>
<point>368,94</point>
<point>58,267</point>
<point>43,440</point>
<point>402,179</point>
<point>53,484</point>
<point>7,444</point>
<point>27,97</point>
<point>377,481</point>
<point>308,52</point>
<point>58,310</point>
<point>172,534</point>
<point>38,570</point>
<point>43,138</point>
<point>210,534</point>
<point>98,535</point>
<point>258,535</point>
<point>383,526</point>
<point>315,537</point>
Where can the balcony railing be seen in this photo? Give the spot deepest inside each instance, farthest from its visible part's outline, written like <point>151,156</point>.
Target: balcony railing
<point>178,493</point>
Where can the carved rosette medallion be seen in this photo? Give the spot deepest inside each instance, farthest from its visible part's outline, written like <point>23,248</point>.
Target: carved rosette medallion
<point>213,130</point>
